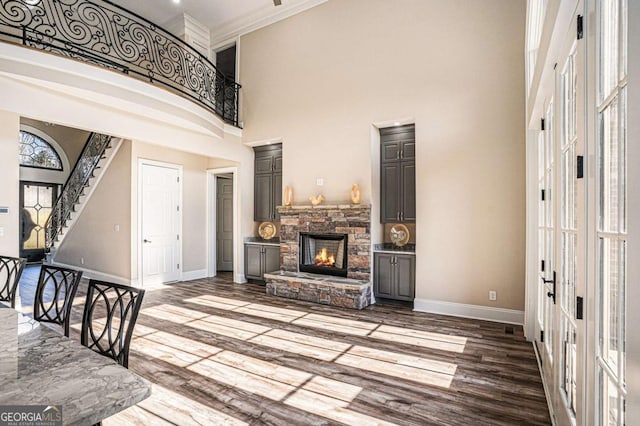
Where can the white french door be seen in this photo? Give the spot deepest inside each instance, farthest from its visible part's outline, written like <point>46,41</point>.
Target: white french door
<point>611,212</point>
<point>583,237</point>
<point>546,242</point>
<point>561,338</point>
<point>160,222</point>
<point>570,379</point>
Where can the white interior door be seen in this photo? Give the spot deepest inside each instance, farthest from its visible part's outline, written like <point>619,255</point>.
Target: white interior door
<point>571,251</point>
<point>160,223</point>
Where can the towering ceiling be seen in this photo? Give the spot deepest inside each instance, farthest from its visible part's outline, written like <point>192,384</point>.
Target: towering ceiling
<point>223,17</point>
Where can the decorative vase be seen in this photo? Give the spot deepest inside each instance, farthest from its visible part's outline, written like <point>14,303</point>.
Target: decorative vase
<point>356,195</point>
<point>288,196</point>
<point>316,200</point>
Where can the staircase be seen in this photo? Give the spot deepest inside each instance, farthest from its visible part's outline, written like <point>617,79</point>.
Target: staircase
<point>97,154</point>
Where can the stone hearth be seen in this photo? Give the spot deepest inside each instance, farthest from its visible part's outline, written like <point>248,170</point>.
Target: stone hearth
<point>324,289</point>
<point>353,220</point>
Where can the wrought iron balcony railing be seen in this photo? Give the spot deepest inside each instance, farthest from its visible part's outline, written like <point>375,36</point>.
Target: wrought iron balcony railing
<point>78,180</point>
<point>104,34</point>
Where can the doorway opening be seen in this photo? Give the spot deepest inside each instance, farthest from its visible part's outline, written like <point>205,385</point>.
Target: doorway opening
<point>224,252</point>
<point>224,222</point>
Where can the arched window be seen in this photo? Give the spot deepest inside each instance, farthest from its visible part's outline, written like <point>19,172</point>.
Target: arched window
<point>36,152</point>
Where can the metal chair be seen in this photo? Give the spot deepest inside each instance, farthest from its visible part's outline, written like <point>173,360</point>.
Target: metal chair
<point>54,296</point>
<point>10,272</point>
<point>110,314</point>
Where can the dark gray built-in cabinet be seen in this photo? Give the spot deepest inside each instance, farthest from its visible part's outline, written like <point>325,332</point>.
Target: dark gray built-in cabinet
<point>398,174</point>
<point>260,259</point>
<point>394,276</point>
<point>267,182</point>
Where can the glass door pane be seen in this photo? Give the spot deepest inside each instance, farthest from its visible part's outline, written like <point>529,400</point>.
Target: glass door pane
<point>37,200</point>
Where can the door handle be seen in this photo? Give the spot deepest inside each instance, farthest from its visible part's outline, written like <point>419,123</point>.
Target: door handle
<point>551,294</point>
<point>146,241</point>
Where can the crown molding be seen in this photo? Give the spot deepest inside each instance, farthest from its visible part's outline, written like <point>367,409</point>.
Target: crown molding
<point>259,19</point>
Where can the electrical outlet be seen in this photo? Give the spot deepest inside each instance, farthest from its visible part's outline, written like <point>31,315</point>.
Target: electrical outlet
<point>493,295</point>
<point>320,181</point>
<point>2,232</point>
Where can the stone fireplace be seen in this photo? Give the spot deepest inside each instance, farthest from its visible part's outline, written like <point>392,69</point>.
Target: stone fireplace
<point>325,255</point>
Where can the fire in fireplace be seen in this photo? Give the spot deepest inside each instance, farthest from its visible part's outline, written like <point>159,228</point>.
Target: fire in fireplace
<point>323,254</point>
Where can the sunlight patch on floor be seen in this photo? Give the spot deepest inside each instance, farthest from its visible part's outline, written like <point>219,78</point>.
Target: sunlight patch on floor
<point>165,407</point>
<point>389,333</point>
<point>417,369</point>
<point>331,408</point>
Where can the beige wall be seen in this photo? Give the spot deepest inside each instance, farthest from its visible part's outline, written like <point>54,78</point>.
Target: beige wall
<point>319,81</point>
<point>9,191</point>
<point>94,237</point>
<point>194,202</point>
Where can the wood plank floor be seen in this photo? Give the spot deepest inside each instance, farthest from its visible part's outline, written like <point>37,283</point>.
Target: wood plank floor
<point>223,353</point>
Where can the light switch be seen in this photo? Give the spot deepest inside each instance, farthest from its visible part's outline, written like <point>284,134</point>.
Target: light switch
<point>1,231</point>
<point>116,228</point>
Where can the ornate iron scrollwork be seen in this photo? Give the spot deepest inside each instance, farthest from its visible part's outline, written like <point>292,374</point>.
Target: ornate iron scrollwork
<point>91,154</point>
<point>101,33</point>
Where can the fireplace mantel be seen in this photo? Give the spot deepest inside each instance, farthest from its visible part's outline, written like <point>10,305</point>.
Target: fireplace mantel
<point>324,207</point>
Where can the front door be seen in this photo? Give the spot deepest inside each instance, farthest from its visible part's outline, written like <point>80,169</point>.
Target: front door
<point>36,202</point>
<point>160,223</point>
<point>224,224</point>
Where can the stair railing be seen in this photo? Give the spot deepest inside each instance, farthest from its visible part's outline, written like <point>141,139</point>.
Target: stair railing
<point>66,202</point>
<point>104,34</point>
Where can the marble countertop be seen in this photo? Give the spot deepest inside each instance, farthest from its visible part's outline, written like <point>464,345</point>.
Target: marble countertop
<point>38,366</point>
<point>392,248</point>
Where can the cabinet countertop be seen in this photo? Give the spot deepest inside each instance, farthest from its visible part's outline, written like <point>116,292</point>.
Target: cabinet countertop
<point>261,241</point>
<point>392,248</point>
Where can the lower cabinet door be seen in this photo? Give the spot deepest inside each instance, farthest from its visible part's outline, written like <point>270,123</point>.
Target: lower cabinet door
<point>271,259</point>
<point>253,261</point>
<point>383,275</point>
<point>405,277</point>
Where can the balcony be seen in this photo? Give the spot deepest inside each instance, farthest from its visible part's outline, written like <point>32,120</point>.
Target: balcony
<point>103,34</point>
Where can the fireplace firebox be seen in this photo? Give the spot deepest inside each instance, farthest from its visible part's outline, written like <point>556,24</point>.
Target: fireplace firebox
<point>323,254</point>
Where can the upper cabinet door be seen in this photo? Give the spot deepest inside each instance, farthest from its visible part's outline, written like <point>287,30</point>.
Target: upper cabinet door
<point>263,193</point>
<point>277,161</point>
<point>408,150</point>
<point>277,194</point>
<point>390,151</point>
<point>408,200</point>
<point>264,163</point>
<point>390,197</point>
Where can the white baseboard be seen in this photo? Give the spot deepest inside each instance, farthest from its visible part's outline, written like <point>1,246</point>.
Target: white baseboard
<point>487,313</point>
<point>96,275</point>
<point>194,275</point>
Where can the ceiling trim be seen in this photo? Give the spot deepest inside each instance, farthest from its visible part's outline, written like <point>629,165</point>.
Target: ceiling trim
<point>256,20</point>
